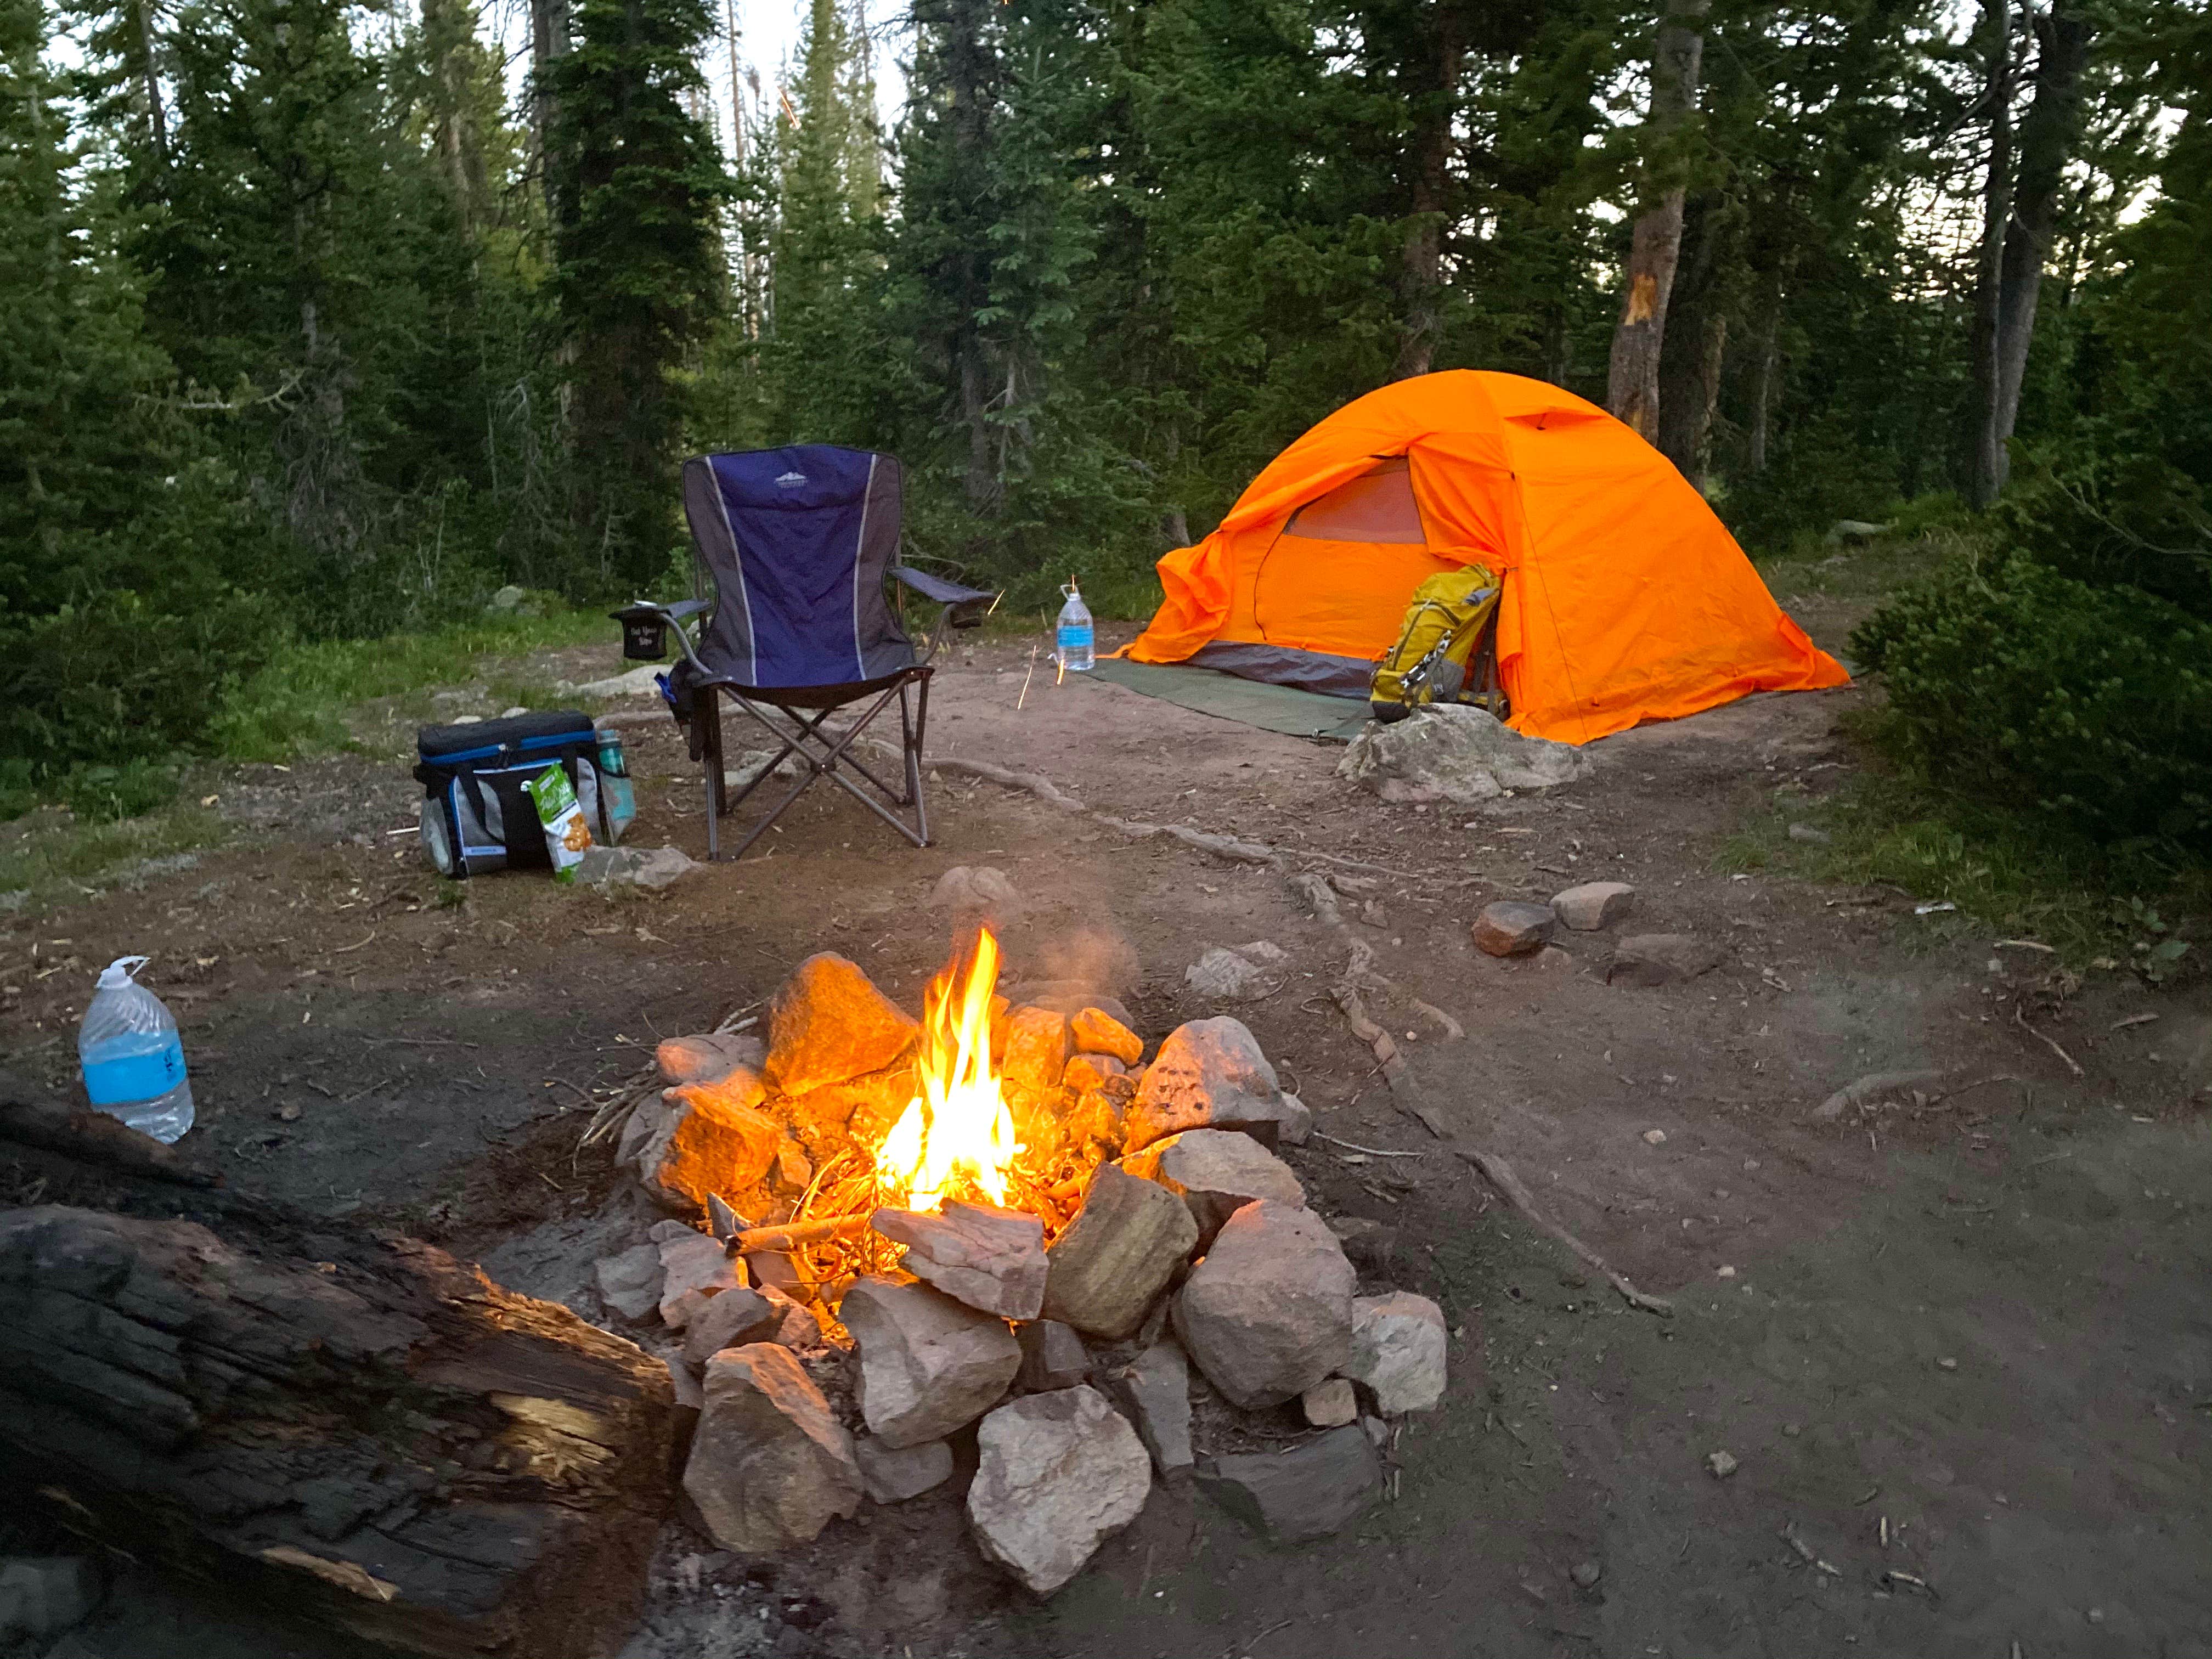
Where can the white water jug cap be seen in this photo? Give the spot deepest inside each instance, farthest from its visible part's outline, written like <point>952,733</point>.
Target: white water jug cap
<point>117,973</point>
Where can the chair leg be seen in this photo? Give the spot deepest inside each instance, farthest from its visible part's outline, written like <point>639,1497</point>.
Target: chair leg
<point>714,782</point>
<point>910,732</point>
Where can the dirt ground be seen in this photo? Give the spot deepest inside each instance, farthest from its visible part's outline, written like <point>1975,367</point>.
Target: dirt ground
<point>1961,1351</point>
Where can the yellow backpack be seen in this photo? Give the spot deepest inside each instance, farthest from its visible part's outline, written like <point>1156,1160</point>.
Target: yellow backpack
<point>1447,650</point>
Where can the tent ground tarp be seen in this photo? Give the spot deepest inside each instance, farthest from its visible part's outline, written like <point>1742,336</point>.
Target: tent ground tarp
<point>1271,708</point>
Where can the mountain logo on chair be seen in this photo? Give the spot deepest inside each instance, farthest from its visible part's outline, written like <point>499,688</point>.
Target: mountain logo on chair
<point>793,550</point>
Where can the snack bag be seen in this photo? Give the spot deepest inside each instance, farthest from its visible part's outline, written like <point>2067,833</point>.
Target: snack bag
<point>567,834</point>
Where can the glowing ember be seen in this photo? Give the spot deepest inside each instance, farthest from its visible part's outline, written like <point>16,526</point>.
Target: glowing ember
<point>957,1133</point>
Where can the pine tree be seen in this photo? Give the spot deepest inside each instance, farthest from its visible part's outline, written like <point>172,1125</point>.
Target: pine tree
<point>636,180</point>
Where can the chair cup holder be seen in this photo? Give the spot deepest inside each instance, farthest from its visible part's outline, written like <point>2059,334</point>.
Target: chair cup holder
<point>645,632</point>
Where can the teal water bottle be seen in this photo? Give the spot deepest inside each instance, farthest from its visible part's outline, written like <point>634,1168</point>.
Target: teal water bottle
<point>617,797</point>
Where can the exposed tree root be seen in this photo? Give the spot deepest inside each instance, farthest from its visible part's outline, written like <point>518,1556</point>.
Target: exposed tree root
<point>1314,892</point>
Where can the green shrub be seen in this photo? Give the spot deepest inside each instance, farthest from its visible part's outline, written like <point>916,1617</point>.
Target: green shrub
<point>2014,683</point>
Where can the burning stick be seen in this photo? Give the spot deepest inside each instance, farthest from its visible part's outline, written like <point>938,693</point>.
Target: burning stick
<point>798,1235</point>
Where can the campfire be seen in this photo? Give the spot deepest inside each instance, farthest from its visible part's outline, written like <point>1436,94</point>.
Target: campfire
<point>956,1136</point>
<point>1002,1220</point>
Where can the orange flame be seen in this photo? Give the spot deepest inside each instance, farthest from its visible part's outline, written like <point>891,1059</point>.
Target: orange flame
<point>957,1131</point>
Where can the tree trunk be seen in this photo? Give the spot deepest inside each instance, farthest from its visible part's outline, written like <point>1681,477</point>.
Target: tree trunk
<point>2048,135</point>
<point>1765,359</point>
<point>1422,282</point>
<point>969,76</point>
<point>149,78</point>
<point>1985,455</point>
<point>1691,355</point>
<point>351,1427</point>
<point>1656,244</point>
<point>550,41</point>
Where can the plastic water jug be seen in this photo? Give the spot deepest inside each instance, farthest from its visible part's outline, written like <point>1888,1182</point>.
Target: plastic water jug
<point>1076,636</point>
<point>132,1059</point>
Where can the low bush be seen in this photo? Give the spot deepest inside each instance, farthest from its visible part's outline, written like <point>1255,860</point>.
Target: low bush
<point>2019,684</point>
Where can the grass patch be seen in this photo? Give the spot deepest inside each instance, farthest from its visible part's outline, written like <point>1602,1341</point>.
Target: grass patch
<point>298,704</point>
<point>2094,908</point>
<point>53,855</point>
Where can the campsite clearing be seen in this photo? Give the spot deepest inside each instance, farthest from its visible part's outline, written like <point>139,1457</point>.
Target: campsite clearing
<point>367,1040</point>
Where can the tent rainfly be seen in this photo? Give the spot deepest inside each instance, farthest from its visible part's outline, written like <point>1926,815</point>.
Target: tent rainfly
<point>1624,598</point>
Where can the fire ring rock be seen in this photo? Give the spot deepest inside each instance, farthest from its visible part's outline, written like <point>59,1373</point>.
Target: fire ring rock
<point>1216,1172</point>
<point>1208,1074</point>
<point>1267,1314</point>
<point>992,1260</point>
<point>710,1141</point>
<point>830,1023</point>
<point>770,1465</point>
<point>1309,1491</point>
<point>1058,1473</point>
<point>926,1364</point>
<point>1397,1351</point>
<point>1119,1252</point>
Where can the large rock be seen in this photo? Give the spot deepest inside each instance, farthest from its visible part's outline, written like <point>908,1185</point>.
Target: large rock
<point>928,1365</point>
<point>1154,1389</point>
<point>979,892</point>
<point>1216,1172</point>
<point>694,1269</point>
<point>1071,997</point>
<point>858,1111</point>
<point>1307,1492</point>
<point>707,1057</point>
<point>1208,1074</point>
<point>770,1465</point>
<point>1223,976</point>
<point>894,1473</point>
<point>735,1318</point>
<point>1125,1244</point>
<point>830,1023</point>
<point>629,1281</point>
<point>1593,905</point>
<point>1456,753</point>
<point>1098,1032</point>
<point>1397,1351</point>
<point>1036,1048</point>
<point>1052,1356</point>
<point>1511,929</point>
<point>1660,959</point>
<point>709,1142</point>
<point>1058,1474</point>
<point>42,1595</point>
<point>1267,1314</point>
<point>1093,1074</point>
<point>993,1260</point>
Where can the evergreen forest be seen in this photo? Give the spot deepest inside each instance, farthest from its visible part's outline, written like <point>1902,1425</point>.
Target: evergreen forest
<point>326,319</point>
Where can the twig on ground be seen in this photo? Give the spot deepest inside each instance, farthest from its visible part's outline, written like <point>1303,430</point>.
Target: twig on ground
<point>348,949</point>
<point>2072,1065</point>
<point>1500,1174</point>
<point>1372,1151</point>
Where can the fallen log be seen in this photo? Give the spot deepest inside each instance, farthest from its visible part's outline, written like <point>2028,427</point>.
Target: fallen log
<point>351,1427</point>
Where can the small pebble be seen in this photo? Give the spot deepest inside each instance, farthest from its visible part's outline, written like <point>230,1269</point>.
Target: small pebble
<point>1791,1431</point>
<point>1721,1463</point>
<point>1587,1573</point>
<point>2096,1615</point>
<point>1949,1365</point>
<point>1654,1137</point>
<point>1724,1272</point>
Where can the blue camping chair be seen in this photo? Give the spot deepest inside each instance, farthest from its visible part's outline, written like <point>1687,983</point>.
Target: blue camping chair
<point>792,549</point>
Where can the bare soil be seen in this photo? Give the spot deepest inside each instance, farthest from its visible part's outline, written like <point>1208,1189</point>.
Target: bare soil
<point>1975,1328</point>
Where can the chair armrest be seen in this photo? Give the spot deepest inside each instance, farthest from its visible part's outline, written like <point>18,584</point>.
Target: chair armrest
<point>938,588</point>
<point>680,611</point>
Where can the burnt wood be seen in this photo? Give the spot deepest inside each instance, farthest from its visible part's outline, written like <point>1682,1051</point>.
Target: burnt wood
<point>348,1425</point>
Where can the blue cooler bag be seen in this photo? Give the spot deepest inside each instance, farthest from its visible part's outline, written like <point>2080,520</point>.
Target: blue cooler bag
<point>477,816</point>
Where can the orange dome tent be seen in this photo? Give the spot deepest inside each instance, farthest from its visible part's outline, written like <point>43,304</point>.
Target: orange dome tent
<point>1624,600</point>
